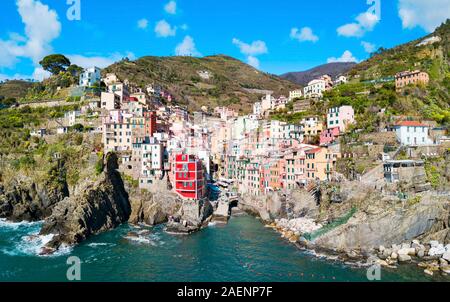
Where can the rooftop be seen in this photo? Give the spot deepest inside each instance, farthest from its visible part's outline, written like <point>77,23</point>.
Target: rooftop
<point>411,124</point>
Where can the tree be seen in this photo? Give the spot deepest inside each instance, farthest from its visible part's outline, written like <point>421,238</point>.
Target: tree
<point>75,70</point>
<point>55,63</point>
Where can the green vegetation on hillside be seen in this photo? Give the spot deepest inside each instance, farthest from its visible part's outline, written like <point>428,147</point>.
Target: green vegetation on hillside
<point>230,83</point>
<point>14,89</point>
<point>430,102</point>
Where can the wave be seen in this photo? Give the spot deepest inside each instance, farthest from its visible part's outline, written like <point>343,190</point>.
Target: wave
<point>4,223</point>
<point>96,244</point>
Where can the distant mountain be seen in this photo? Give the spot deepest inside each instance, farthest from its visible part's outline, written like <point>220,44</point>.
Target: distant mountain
<point>333,69</point>
<point>210,81</point>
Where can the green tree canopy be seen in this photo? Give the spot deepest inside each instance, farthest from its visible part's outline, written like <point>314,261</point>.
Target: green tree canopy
<point>55,63</point>
<point>75,70</point>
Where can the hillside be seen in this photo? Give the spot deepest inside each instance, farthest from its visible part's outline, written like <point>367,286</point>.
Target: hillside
<point>333,69</point>
<point>428,102</point>
<point>14,89</point>
<point>211,81</point>
<point>372,87</point>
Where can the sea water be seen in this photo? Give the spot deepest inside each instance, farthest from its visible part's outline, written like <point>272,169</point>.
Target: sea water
<point>243,250</point>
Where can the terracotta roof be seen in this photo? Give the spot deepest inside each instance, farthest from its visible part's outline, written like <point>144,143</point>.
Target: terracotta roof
<point>315,150</point>
<point>411,124</point>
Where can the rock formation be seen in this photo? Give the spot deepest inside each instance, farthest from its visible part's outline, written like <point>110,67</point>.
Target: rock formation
<point>154,207</point>
<point>25,201</point>
<point>101,205</point>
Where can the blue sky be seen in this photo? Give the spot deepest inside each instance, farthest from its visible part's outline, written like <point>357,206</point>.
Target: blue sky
<point>274,36</point>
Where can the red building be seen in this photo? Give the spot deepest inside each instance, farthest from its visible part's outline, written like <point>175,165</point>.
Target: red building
<point>189,180</point>
<point>150,122</point>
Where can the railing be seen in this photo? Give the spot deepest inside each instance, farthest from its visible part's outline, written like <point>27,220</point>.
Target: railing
<point>336,223</point>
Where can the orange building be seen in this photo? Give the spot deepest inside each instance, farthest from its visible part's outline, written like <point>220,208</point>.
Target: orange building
<point>405,78</point>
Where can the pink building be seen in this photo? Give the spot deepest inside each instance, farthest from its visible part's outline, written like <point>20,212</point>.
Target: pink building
<point>329,136</point>
<point>340,117</point>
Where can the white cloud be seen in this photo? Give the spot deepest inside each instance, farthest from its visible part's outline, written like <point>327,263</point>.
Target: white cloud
<point>253,61</point>
<point>305,34</point>
<point>99,61</point>
<point>368,47</point>
<point>142,24</point>
<point>171,7</point>
<point>254,49</point>
<point>41,28</point>
<point>350,30</point>
<point>40,74</point>
<point>251,50</point>
<point>365,22</point>
<point>187,48</point>
<point>164,29</point>
<point>426,14</point>
<point>347,56</point>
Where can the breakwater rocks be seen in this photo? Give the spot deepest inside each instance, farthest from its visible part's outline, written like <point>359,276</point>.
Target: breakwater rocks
<point>100,206</point>
<point>293,229</point>
<point>433,256</point>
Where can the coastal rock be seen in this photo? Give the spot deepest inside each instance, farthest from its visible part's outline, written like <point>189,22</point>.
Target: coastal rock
<point>407,251</point>
<point>102,205</point>
<point>25,201</point>
<point>446,255</point>
<point>300,225</point>
<point>404,258</point>
<point>421,253</point>
<point>436,249</point>
<point>446,269</point>
<point>153,208</point>
<point>442,262</point>
<point>387,253</point>
<point>428,272</point>
<point>387,228</point>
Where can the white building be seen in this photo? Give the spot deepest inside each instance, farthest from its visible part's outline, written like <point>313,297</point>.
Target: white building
<point>109,101</point>
<point>257,109</point>
<point>110,78</point>
<point>340,80</point>
<point>295,94</point>
<point>267,103</point>
<point>90,76</point>
<point>412,133</point>
<point>315,88</point>
<point>71,117</point>
<point>62,130</point>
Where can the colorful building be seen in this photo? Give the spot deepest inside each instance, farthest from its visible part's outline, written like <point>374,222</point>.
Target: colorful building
<point>329,136</point>
<point>415,77</point>
<point>341,117</point>
<point>189,181</point>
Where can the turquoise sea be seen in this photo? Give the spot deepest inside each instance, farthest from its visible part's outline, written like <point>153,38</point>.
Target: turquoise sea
<point>243,250</point>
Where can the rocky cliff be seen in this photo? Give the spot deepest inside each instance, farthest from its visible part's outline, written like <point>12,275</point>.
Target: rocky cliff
<point>354,217</point>
<point>369,228</point>
<point>153,207</point>
<point>27,201</point>
<point>100,206</point>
